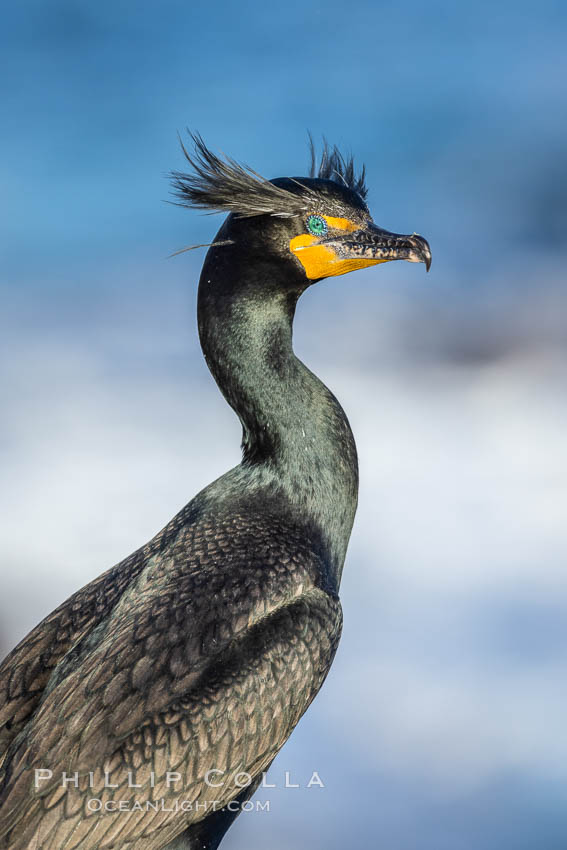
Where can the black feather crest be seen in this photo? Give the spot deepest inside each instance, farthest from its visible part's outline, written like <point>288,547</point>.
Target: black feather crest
<point>225,185</point>
<point>334,166</point>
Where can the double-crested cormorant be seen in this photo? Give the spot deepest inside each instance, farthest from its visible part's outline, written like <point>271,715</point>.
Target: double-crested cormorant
<point>186,667</point>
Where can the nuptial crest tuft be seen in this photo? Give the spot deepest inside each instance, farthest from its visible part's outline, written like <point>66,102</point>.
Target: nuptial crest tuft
<point>224,185</point>
<point>334,166</point>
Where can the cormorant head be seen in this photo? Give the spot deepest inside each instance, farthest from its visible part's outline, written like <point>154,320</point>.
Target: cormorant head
<point>319,225</point>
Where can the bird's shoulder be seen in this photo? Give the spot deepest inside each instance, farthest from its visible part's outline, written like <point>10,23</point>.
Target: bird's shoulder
<point>226,608</point>
<point>222,550</point>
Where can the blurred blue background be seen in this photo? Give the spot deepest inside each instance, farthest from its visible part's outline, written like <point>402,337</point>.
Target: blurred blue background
<point>442,723</point>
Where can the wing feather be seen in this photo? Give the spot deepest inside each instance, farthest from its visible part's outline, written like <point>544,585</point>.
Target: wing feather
<point>204,662</point>
<point>243,711</point>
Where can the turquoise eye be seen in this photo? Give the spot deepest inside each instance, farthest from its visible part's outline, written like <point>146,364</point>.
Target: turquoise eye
<point>316,225</point>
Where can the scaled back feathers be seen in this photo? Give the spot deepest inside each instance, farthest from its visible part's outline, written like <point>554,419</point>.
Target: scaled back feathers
<point>225,185</point>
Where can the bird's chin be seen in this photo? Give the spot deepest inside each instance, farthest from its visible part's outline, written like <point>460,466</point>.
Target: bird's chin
<point>338,255</point>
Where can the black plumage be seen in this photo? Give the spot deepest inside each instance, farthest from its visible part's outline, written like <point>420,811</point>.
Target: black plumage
<point>202,650</point>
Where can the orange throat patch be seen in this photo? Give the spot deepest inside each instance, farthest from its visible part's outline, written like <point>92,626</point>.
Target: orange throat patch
<point>321,260</point>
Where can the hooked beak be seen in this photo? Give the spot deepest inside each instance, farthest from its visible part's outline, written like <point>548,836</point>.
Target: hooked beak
<point>372,244</point>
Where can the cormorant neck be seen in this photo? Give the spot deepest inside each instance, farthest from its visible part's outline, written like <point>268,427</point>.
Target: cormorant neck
<point>293,426</point>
